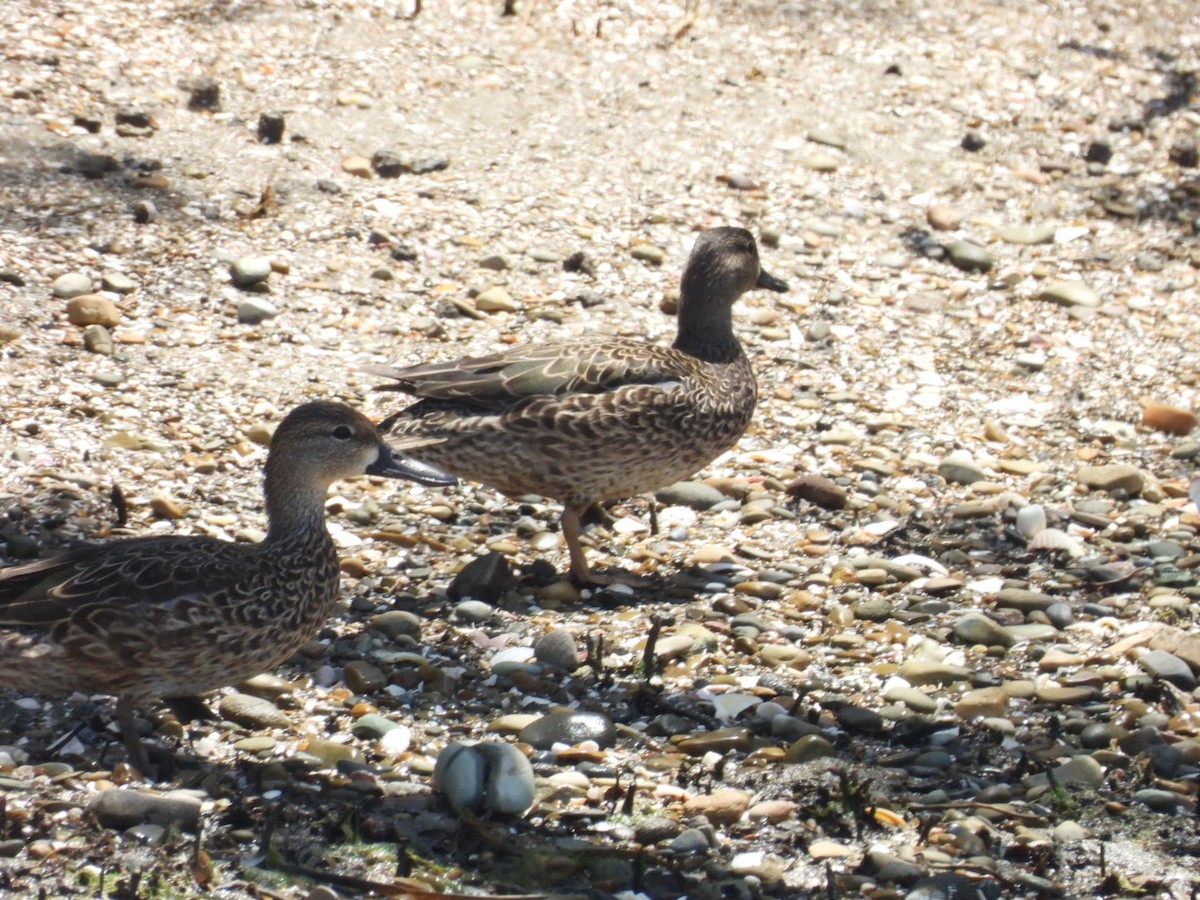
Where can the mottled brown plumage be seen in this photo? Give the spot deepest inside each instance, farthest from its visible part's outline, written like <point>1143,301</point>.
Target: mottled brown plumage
<point>153,617</point>
<point>595,419</point>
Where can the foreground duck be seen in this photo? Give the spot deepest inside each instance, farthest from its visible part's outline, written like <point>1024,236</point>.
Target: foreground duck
<point>162,617</point>
<point>594,419</point>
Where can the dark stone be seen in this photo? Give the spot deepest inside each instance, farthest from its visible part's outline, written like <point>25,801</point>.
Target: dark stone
<point>145,213</point>
<point>485,578</point>
<point>122,808</point>
<point>580,262</point>
<point>88,124</point>
<point>270,127</point>
<point>204,94</point>
<point>96,165</point>
<point>569,728</point>
<point>893,69</point>
<point>387,164</point>
<point>973,142</point>
<point>1098,152</point>
<point>1185,155</point>
<point>134,118</point>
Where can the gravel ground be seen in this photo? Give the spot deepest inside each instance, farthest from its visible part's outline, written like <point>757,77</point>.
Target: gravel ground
<point>930,627</point>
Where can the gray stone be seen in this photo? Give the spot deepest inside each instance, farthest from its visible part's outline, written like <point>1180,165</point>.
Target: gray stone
<point>976,628</point>
<point>254,310</point>
<point>397,623</point>
<point>648,253</point>
<point>1027,234</point>
<point>959,468</point>
<point>118,283</point>
<point>1024,600</point>
<point>247,271</point>
<point>1168,667</point>
<point>372,726</point>
<point>252,712</point>
<point>695,494</point>
<point>124,808</point>
<point>1113,477</point>
<point>72,284</point>
<point>1070,293</point>
<point>474,611</point>
<point>570,728</point>
<point>969,257</point>
<point>98,339</point>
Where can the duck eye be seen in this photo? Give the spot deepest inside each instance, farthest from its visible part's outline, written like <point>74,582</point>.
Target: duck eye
<point>342,432</point>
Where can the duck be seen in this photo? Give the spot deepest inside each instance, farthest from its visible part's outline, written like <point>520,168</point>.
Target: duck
<point>160,617</point>
<point>593,419</point>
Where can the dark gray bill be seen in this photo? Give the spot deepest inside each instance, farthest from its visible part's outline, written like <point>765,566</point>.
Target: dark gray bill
<point>393,465</point>
<point>770,282</point>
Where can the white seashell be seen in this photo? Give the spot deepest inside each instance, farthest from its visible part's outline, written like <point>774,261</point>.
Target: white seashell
<point>1057,539</point>
<point>728,706</point>
<point>1031,520</point>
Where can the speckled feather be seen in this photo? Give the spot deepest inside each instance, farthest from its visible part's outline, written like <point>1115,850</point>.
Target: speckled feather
<point>595,419</point>
<point>180,615</point>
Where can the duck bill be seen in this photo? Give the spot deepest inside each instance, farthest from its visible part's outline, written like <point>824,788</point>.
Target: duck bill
<point>770,282</point>
<point>393,465</point>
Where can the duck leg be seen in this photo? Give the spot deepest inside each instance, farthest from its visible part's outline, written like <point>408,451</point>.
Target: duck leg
<point>581,573</point>
<point>129,732</point>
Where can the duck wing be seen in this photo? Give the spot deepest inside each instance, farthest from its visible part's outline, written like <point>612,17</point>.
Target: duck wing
<point>498,380</point>
<point>154,572</point>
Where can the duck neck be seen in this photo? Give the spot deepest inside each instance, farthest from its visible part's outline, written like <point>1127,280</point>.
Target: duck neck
<point>707,333</point>
<point>295,509</point>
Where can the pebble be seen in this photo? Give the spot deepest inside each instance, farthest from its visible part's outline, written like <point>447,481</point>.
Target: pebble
<point>117,283</point>
<point>98,339</point>
<point>1027,234</point>
<point>93,309</point>
<point>943,217</point>
<point>396,623</point>
<point>1079,771</point>
<point>72,284</point>
<point>1167,419</point>
<point>819,490</point>
<point>969,257</point>
<point>959,468</point>
<point>248,271</point>
<point>252,712</point>
<point>255,310</point>
<point>1112,477</point>
<point>490,777</point>
<point>722,807</point>
<point>1070,293</point>
<point>570,728</point>
<point>693,494</point>
<point>363,677</point>
<point>808,748</point>
<point>648,253</point>
<point>495,299</point>
<point>1168,667</point>
<point>977,628</point>
<point>124,808</point>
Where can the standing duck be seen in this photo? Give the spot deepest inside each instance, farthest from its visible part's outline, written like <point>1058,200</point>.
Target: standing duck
<point>174,616</point>
<point>592,419</point>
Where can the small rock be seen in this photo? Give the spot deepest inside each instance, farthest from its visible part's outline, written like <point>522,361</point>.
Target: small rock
<point>117,283</point>
<point>255,310</point>
<point>648,253</point>
<point>495,299</point>
<point>1168,667</point>
<point>1167,419</point>
<point>204,93</point>
<point>93,309</point>
<point>1098,152</point>
<point>959,468</point>
<point>247,271</point>
<point>1070,293</point>
<point>71,285</point>
<point>1027,234</point>
<point>98,339</point>
<point>486,578</point>
<point>973,142</point>
<point>270,127</point>
<point>124,808</point>
<point>252,712</point>
<point>363,677</point>
<point>943,217</point>
<point>722,807</point>
<point>491,777</point>
<point>358,166</point>
<point>693,494</point>
<point>397,623</point>
<point>818,490</point>
<point>1115,477</point>
<point>970,257</point>
<point>809,748</point>
<point>976,628</point>
<point>570,728</point>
